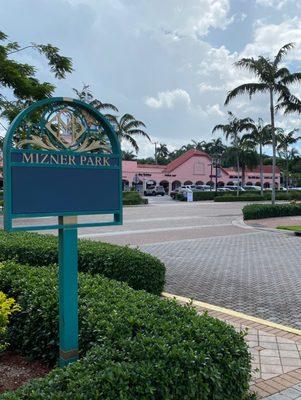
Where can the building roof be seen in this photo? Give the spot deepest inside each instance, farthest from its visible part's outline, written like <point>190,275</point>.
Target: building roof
<point>266,169</point>
<point>150,166</point>
<point>183,158</point>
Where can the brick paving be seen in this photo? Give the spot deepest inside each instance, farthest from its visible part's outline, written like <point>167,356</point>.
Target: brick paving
<point>258,273</point>
<point>276,356</point>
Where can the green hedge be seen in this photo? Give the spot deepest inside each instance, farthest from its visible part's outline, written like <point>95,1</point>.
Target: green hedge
<point>257,211</point>
<point>133,198</point>
<point>250,197</point>
<point>247,196</point>
<point>139,346</point>
<point>243,196</point>
<point>138,269</point>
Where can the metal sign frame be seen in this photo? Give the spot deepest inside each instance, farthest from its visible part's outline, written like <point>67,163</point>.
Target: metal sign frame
<point>67,221</point>
<point>8,149</point>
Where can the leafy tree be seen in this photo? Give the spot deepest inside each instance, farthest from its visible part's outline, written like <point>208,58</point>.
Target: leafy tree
<point>199,145</point>
<point>261,135</point>
<point>128,155</point>
<point>127,127</point>
<point>215,147</point>
<point>21,78</point>
<point>272,79</point>
<point>231,131</point>
<point>86,95</point>
<point>148,160</point>
<point>285,140</point>
<point>162,154</point>
<point>245,152</point>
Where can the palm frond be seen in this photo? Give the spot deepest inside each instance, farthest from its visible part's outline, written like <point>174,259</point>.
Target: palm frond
<point>134,124</point>
<point>221,127</point>
<point>246,88</point>
<point>139,132</point>
<point>282,52</point>
<point>101,106</point>
<point>282,73</point>
<point>132,141</point>
<point>291,79</point>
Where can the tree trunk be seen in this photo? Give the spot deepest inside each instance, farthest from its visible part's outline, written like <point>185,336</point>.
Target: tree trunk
<point>261,168</point>
<point>243,174</point>
<point>237,193</point>
<point>273,144</point>
<point>286,183</point>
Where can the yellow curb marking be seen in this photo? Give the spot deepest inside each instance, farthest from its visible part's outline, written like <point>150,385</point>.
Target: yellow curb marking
<point>233,313</point>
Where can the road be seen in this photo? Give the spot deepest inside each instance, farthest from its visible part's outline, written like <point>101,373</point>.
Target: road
<point>210,255</point>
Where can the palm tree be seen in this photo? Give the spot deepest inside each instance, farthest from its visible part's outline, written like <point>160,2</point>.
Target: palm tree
<point>215,146</point>
<point>128,155</point>
<point>199,145</point>
<point>231,131</point>
<point>259,134</point>
<point>245,151</point>
<point>285,140</point>
<point>87,96</point>
<point>162,153</point>
<point>128,126</point>
<point>272,79</point>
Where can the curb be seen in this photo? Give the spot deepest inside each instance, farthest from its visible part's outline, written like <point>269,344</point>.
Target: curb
<point>233,313</point>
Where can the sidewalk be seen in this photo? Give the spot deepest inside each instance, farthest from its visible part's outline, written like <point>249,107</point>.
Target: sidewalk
<point>275,350</point>
<point>272,223</point>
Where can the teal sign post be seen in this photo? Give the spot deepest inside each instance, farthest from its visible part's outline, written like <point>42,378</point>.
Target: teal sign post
<point>62,159</point>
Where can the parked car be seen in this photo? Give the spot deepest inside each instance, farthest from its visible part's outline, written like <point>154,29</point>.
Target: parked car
<point>174,192</point>
<point>154,191</point>
<point>202,188</point>
<point>234,188</point>
<point>252,188</point>
<point>188,187</point>
<point>223,189</point>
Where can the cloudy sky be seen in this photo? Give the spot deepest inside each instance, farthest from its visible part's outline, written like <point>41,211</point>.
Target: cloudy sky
<point>168,62</point>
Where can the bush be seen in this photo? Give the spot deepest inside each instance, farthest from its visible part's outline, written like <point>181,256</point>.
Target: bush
<point>132,198</point>
<point>257,211</point>
<point>139,346</point>
<point>139,270</point>
<point>8,306</point>
<point>250,197</point>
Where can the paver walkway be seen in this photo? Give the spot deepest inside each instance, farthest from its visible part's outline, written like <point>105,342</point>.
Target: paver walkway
<point>276,355</point>
<point>258,273</point>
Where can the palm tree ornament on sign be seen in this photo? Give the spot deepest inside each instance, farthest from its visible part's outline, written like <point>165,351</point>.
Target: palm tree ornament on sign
<point>231,131</point>
<point>272,79</point>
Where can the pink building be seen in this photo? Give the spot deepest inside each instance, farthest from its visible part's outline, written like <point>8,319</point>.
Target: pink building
<point>193,167</point>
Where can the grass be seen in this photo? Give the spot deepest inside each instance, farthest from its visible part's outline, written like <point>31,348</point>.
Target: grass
<point>295,228</point>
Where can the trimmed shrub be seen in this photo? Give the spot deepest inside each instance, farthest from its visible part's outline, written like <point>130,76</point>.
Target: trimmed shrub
<point>138,269</point>
<point>257,211</point>
<point>199,196</point>
<point>250,197</point>
<point>139,346</point>
<point>132,198</point>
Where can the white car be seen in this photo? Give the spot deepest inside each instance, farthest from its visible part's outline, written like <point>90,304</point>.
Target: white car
<point>202,188</point>
<point>188,187</point>
<point>252,188</point>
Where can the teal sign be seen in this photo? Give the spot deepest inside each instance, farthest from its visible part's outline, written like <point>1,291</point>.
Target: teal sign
<point>62,159</point>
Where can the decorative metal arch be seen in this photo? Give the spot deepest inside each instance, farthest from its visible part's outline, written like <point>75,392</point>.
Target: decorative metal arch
<point>61,127</point>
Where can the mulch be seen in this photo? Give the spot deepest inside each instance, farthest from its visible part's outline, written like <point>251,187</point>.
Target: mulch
<point>16,370</point>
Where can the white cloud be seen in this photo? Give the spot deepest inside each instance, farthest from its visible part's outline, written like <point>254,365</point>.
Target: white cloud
<point>268,38</point>
<point>168,99</point>
<point>278,4</point>
<point>214,110</point>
